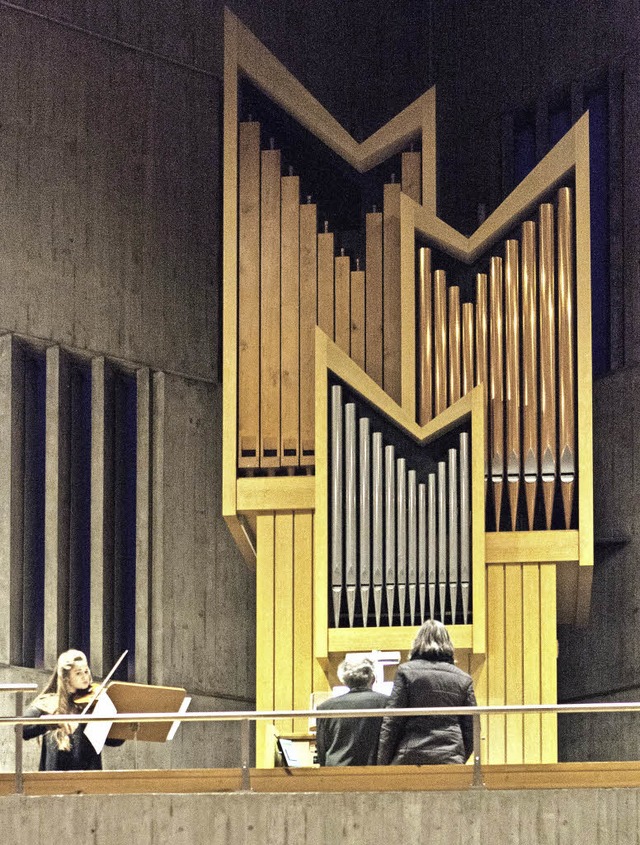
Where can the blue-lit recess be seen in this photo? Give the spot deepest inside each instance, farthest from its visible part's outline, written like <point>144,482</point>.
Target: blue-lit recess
<point>125,456</point>
<point>80,508</point>
<point>34,504</point>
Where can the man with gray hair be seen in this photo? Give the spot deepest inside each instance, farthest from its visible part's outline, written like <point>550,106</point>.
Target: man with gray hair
<point>351,742</point>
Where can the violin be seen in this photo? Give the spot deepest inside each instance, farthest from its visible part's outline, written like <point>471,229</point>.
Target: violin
<point>87,696</point>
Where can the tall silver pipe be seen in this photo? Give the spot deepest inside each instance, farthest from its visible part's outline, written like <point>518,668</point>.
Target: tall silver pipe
<point>336,500</point>
<point>465,524</point>
<point>365,515</point>
<point>378,523</point>
<point>422,549</point>
<point>442,536</point>
<point>390,528</point>
<point>351,527</point>
<point>412,541</point>
<point>452,499</point>
<point>432,540</point>
<point>401,526</point>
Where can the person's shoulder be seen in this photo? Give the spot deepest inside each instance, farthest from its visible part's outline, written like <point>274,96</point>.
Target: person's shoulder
<point>330,703</point>
<point>45,703</point>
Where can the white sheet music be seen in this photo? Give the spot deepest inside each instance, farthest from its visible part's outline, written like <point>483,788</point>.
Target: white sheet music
<point>97,732</point>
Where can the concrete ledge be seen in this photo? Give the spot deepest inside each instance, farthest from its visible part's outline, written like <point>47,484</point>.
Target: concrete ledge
<point>544,817</point>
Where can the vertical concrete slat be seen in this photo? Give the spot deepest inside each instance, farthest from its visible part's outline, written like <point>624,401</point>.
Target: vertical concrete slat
<point>56,527</point>
<point>156,668</point>
<point>17,503</point>
<point>143,474</point>
<point>6,349</point>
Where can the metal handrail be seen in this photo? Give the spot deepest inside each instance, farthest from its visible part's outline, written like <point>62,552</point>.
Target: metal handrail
<point>248,716</point>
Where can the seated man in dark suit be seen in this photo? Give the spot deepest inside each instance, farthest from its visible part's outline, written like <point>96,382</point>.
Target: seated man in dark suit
<point>351,742</point>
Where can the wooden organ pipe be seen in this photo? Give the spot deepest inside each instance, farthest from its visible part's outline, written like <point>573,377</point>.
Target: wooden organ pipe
<point>391,328</point>
<point>290,321</point>
<point>342,302</point>
<point>270,454</point>
<point>374,327</point>
<point>566,379</point>
<point>249,295</point>
<point>357,312</point>
<point>326,269</point>
<point>308,310</point>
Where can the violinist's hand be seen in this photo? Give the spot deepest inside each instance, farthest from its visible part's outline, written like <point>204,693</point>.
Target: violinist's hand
<point>68,727</point>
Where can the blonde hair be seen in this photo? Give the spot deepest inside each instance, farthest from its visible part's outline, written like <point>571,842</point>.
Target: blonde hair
<point>56,696</point>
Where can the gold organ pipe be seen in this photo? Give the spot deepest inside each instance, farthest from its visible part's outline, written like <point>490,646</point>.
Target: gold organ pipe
<point>512,355</point>
<point>467,347</point>
<point>496,386</point>
<point>548,444</point>
<point>454,344</point>
<point>440,339</point>
<point>482,356</point>
<point>530,367</point>
<point>566,415</point>
<point>425,340</point>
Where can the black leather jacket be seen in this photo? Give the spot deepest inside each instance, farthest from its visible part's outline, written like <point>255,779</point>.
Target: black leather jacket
<point>417,740</point>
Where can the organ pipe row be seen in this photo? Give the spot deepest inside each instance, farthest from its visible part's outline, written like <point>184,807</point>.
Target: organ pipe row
<point>523,353</point>
<point>400,533</point>
<point>291,279</point>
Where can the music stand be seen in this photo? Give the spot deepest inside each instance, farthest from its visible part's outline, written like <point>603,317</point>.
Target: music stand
<point>143,698</point>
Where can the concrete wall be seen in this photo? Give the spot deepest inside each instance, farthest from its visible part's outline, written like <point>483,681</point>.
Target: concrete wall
<point>110,244</point>
<point>544,817</point>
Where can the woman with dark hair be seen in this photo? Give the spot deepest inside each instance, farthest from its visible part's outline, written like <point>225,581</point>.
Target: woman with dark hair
<point>428,679</point>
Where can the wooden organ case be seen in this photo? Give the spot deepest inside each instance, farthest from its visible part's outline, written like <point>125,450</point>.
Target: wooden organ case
<point>396,446</point>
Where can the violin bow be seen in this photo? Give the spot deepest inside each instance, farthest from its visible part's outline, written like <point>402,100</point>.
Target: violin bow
<point>104,682</point>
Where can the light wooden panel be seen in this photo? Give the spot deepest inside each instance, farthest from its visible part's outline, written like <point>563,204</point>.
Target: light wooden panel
<point>496,657</point>
<point>308,311</point>
<point>283,611</point>
<point>290,323</point>
<point>249,294</point>
<point>358,327</point>
<point>302,615</point>
<point>548,662</point>
<point>265,632</point>
<point>343,303</point>
<point>373,303</point>
<point>532,667</point>
<point>513,621</point>
<point>270,313</point>
<point>391,363</point>
<point>326,262</point>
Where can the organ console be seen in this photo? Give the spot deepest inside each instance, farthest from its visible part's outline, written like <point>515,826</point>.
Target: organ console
<point>398,446</point>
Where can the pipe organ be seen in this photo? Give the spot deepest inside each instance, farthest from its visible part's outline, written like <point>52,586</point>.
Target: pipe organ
<point>402,440</point>
<point>400,526</point>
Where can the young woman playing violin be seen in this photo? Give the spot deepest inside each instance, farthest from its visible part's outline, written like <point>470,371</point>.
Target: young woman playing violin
<point>64,746</point>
